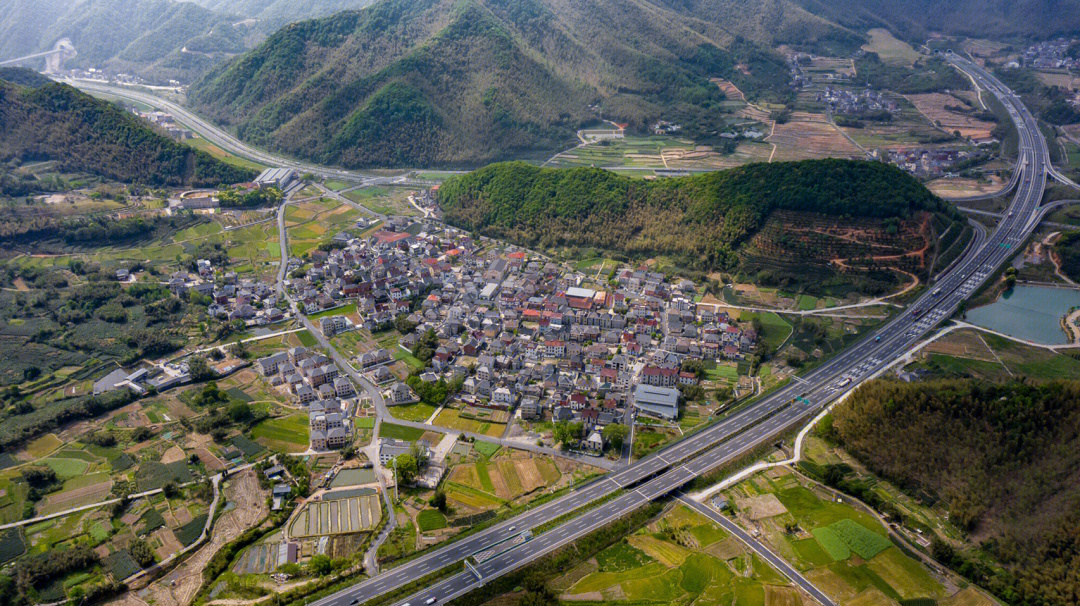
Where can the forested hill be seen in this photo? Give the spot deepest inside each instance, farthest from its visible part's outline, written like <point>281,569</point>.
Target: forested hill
<point>465,82</point>
<point>698,220</point>
<point>83,134</point>
<point>916,20</point>
<point>1003,458</point>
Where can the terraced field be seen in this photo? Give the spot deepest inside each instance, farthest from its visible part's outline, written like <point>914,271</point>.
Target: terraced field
<point>337,516</point>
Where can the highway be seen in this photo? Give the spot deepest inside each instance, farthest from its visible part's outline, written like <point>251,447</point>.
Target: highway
<point>723,442</point>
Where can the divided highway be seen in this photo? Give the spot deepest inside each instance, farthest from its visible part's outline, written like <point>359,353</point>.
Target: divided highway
<point>666,471</point>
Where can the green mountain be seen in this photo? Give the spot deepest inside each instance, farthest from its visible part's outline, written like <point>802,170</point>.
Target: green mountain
<point>464,82</point>
<point>156,39</point>
<point>83,134</point>
<point>702,222</point>
<point>915,20</point>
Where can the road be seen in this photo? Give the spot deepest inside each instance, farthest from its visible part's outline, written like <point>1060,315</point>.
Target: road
<point>723,442</point>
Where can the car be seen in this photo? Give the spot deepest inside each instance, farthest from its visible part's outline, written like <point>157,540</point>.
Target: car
<point>354,602</point>
<point>513,528</point>
<point>877,339</point>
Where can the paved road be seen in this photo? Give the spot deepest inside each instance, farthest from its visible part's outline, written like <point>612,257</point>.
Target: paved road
<point>760,548</point>
<point>669,469</point>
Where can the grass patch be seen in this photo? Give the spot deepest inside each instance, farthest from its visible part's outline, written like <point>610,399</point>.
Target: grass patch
<point>621,557</point>
<point>834,546</point>
<point>487,449</point>
<point>861,540</point>
<point>306,338</point>
<point>44,445</point>
<point>400,432</point>
<point>418,412</point>
<point>284,434</point>
<point>430,519</point>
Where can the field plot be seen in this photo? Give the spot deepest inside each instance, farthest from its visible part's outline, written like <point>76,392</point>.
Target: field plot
<point>337,516</point>
<point>384,200</point>
<point>961,187</point>
<point>283,434</point>
<point>889,49</point>
<point>844,551</point>
<point>665,563</point>
<point>933,106</point>
<point>808,136</point>
<point>452,418</point>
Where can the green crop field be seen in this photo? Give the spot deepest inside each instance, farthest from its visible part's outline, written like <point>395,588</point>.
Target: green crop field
<point>152,474</point>
<point>306,338</point>
<point>344,310</point>
<point>430,519</point>
<point>811,551</point>
<point>11,544</point>
<point>400,432</point>
<point>621,557</point>
<point>67,468</point>
<point>487,449</point>
<point>189,533</point>
<point>284,434</point>
<point>834,546</point>
<point>861,540</point>
<point>418,412</point>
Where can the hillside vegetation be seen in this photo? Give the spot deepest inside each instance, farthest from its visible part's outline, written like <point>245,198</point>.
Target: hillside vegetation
<point>916,19</point>
<point>156,39</point>
<point>699,221</point>
<point>1004,458</point>
<point>84,134</point>
<point>465,82</point>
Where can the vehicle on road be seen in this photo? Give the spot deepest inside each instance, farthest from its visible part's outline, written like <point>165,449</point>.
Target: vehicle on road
<point>431,601</point>
<point>937,291</point>
<point>844,382</point>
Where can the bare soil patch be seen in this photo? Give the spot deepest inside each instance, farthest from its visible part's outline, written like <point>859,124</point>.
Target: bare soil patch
<point>763,506</point>
<point>933,106</point>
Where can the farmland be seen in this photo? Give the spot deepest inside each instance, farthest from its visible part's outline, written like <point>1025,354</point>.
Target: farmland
<point>492,476</point>
<point>283,434</point>
<point>844,550</point>
<point>667,562</point>
<point>935,107</point>
<point>334,516</point>
<point>889,49</point>
<point>453,419</point>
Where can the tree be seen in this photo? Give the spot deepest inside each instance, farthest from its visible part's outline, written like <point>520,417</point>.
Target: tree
<point>438,501</point>
<point>615,434</point>
<point>407,469</point>
<point>140,552</point>
<point>320,565</point>
<point>140,434</point>
<point>420,454</point>
<point>200,369</point>
<point>170,489</point>
<point>239,411</point>
<point>567,433</point>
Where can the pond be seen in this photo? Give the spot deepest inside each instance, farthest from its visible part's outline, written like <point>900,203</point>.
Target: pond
<point>1032,313</point>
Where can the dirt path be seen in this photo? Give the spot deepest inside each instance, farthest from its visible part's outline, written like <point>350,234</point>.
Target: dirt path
<point>178,588</point>
<point>1048,246</point>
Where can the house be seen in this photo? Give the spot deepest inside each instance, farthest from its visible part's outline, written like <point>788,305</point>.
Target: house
<point>554,348</point>
<point>594,443</point>
<point>332,325</point>
<point>389,449</point>
<point>659,377</point>
<point>531,408</point>
<point>502,396</point>
<point>274,471</point>
<point>343,388</point>
<point>270,364</point>
<point>400,393</point>
<point>660,402</point>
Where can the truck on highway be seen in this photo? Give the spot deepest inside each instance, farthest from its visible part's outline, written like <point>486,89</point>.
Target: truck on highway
<point>844,382</point>
<point>937,291</point>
